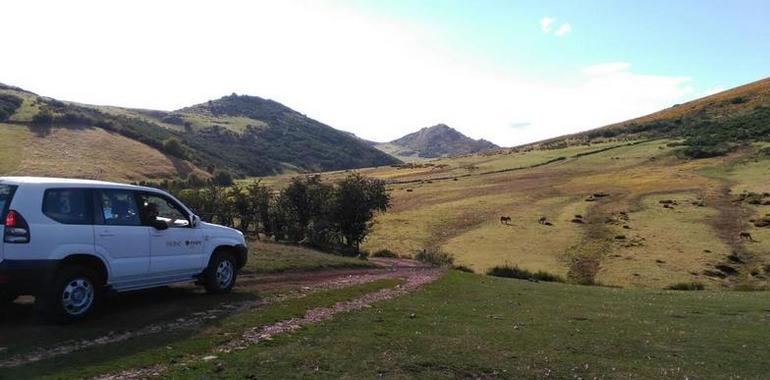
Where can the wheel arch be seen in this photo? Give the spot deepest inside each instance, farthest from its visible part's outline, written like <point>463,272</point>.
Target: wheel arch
<point>92,262</point>
<point>238,251</point>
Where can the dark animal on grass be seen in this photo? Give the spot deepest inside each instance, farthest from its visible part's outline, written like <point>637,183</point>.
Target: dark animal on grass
<point>746,236</point>
<point>505,220</point>
<point>542,220</point>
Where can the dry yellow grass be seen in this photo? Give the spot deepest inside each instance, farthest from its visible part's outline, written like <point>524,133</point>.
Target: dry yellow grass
<point>664,245</point>
<point>89,153</point>
<point>525,242</point>
<point>12,137</point>
<point>462,216</point>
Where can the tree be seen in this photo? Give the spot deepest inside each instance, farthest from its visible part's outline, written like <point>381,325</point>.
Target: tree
<point>357,199</point>
<point>222,178</point>
<point>241,206</point>
<point>260,197</point>
<point>303,210</point>
<point>175,148</point>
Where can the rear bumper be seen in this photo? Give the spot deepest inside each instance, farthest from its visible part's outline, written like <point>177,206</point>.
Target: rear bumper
<point>26,276</point>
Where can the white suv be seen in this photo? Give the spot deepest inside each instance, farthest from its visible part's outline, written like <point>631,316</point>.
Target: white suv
<point>66,241</point>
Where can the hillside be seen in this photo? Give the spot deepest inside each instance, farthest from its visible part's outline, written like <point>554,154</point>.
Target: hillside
<point>245,135</point>
<point>710,126</point>
<point>436,141</point>
<point>623,208</point>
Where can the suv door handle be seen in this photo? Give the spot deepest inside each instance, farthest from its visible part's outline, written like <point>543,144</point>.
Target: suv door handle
<point>106,234</point>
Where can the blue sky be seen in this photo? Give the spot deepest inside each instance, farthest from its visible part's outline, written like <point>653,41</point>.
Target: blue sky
<point>717,43</point>
<point>511,72</point>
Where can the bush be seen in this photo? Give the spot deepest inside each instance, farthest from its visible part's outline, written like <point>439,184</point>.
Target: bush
<point>514,271</point>
<point>43,118</point>
<point>434,256</point>
<point>547,277</point>
<point>687,286</point>
<point>175,148</point>
<point>8,105</point>
<point>222,178</point>
<point>509,272</point>
<point>705,151</point>
<point>463,268</point>
<point>385,253</point>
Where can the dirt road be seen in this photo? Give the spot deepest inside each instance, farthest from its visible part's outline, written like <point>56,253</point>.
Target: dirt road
<point>24,341</point>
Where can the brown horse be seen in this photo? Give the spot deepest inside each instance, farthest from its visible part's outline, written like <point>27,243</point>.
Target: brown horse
<point>746,236</point>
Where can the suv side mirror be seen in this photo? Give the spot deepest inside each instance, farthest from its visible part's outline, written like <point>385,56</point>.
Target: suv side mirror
<point>195,220</point>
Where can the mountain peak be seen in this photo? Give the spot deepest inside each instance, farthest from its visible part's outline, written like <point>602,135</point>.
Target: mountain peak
<point>440,140</point>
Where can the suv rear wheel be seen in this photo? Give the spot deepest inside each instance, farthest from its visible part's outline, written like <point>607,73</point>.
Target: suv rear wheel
<point>220,275</point>
<point>73,296</point>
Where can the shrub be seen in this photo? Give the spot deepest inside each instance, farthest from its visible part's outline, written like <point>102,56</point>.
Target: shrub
<point>222,178</point>
<point>463,268</point>
<point>547,277</point>
<point>8,105</point>
<point>510,272</point>
<point>687,286</point>
<point>384,253</point>
<point>175,148</point>
<point>705,151</point>
<point>514,271</point>
<point>43,118</point>
<point>434,256</point>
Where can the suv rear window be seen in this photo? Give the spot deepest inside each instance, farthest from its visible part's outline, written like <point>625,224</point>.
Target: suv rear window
<point>67,206</point>
<point>6,195</point>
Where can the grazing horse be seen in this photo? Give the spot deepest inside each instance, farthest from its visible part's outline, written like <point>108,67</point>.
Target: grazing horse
<point>746,236</point>
<point>542,220</point>
<point>505,220</point>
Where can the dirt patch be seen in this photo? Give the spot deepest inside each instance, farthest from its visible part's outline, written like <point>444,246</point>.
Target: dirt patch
<point>289,285</point>
<point>416,275</point>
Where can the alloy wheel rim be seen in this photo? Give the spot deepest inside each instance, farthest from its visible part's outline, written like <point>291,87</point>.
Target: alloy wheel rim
<point>224,273</point>
<point>78,296</point>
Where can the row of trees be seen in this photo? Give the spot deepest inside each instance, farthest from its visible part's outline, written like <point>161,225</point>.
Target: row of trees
<point>330,216</point>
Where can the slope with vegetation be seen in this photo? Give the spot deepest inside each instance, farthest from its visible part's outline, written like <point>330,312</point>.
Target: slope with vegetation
<point>628,209</point>
<point>241,135</point>
<point>710,126</point>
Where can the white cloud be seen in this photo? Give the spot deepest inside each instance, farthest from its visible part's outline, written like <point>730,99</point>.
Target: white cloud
<point>713,90</point>
<point>563,29</point>
<point>362,73</point>
<point>546,23</point>
<point>606,69</point>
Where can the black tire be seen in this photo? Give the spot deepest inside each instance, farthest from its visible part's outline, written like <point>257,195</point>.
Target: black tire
<point>73,296</point>
<point>215,277</point>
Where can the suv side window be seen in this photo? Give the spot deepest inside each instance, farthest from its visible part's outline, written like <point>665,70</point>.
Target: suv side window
<point>117,207</point>
<point>67,206</point>
<point>155,207</point>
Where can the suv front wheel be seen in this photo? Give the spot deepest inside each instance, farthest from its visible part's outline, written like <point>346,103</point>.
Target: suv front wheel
<point>73,296</point>
<point>220,275</point>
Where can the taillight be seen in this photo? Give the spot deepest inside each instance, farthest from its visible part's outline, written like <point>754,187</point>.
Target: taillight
<point>16,228</point>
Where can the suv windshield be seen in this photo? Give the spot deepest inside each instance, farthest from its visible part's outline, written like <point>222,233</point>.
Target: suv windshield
<point>6,194</point>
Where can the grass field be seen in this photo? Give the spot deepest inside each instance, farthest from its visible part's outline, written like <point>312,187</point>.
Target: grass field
<point>470,326</point>
<point>171,346</point>
<point>11,138</point>
<point>455,205</point>
<point>267,257</point>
